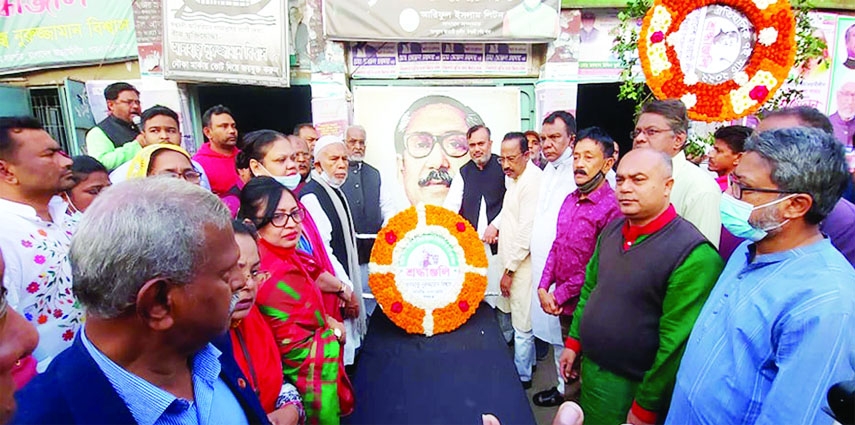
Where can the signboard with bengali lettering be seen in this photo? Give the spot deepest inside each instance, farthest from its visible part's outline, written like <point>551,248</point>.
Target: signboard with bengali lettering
<point>442,20</point>
<point>413,59</point>
<point>238,42</point>
<point>38,34</point>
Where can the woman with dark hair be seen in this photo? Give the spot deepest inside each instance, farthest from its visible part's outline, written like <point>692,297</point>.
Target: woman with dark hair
<point>310,340</point>
<point>252,343</point>
<point>270,153</point>
<point>90,178</point>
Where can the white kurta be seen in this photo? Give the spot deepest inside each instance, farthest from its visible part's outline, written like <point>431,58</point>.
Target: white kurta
<point>696,197</point>
<point>556,183</point>
<point>515,241</point>
<point>453,202</point>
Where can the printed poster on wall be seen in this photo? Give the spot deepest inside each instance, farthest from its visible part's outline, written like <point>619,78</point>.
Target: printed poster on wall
<point>554,96</point>
<point>148,21</point>
<point>226,42</point>
<point>419,139</point>
<point>817,74</point>
<point>582,51</point>
<point>841,105</point>
<point>49,34</point>
<point>442,20</point>
<point>413,59</point>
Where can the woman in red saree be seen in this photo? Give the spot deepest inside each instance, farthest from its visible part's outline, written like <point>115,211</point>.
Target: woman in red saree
<point>270,153</point>
<point>310,340</point>
<point>252,343</point>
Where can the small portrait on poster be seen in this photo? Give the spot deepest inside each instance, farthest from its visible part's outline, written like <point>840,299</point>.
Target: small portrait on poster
<point>843,119</point>
<point>589,33</point>
<point>849,42</point>
<point>531,19</point>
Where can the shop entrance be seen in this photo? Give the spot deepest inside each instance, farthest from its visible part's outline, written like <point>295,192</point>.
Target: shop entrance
<point>257,108</point>
<point>597,105</point>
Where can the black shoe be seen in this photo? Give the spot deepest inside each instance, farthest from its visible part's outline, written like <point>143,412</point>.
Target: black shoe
<point>548,398</point>
<point>526,384</point>
<point>534,369</point>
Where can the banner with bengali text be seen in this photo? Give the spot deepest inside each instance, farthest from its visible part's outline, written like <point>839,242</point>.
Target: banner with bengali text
<point>412,59</point>
<point>39,34</point>
<point>442,20</point>
<point>240,42</point>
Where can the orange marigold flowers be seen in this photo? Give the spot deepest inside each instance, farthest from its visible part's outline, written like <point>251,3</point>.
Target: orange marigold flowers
<point>763,72</point>
<point>430,272</point>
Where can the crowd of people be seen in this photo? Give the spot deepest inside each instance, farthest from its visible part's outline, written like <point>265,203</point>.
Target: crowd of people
<point>231,286</point>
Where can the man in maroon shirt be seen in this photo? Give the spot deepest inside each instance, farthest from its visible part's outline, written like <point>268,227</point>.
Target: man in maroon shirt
<point>583,215</point>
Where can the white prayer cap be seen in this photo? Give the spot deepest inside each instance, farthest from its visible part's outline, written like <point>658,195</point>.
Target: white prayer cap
<point>325,141</point>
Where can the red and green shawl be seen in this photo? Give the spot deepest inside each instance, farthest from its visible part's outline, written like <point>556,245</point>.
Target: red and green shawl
<point>311,355</point>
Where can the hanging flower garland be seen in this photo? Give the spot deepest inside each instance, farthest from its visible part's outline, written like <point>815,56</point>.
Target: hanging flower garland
<point>764,72</point>
<point>428,270</point>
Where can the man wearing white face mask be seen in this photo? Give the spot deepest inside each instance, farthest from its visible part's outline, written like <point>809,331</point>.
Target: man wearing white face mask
<point>777,327</point>
<point>323,198</point>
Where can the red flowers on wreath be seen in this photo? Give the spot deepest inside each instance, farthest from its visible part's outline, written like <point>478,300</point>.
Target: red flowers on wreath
<point>657,37</point>
<point>461,226</point>
<point>391,238</point>
<point>758,93</point>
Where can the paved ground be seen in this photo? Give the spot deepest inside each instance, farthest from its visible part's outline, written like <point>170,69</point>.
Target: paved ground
<point>544,378</point>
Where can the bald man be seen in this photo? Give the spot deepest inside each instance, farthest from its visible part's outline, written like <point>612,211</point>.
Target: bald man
<point>644,287</point>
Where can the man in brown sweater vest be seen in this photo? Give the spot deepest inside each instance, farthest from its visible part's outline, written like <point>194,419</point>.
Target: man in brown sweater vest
<point>644,287</point>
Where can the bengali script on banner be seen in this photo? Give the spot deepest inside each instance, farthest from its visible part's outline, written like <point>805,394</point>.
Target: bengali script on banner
<point>442,20</point>
<point>242,42</point>
<point>38,34</point>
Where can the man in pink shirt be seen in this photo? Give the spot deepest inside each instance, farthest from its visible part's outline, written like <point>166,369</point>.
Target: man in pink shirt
<point>217,156</point>
<point>583,215</point>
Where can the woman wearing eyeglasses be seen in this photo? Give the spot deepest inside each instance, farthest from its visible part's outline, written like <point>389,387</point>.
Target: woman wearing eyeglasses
<point>163,160</point>
<point>309,338</point>
<point>270,153</point>
<point>252,343</point>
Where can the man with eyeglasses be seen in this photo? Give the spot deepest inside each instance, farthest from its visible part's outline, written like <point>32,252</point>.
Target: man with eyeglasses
<point>370,199</point>
<point>160,126</point>
<point>777,326</point>
<point>663,125</point>
<point>430,141</point>
<point>324,200</point>
<point>116,139</point>
<point>35,233</point>
<point>304,160</point>
<point>517,221</point>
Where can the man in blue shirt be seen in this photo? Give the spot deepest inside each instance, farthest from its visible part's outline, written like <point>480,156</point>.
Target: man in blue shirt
<point>158,281</point>
<point>777,329</point>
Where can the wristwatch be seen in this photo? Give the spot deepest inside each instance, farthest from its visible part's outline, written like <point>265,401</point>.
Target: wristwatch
<point>337,333</point>
<point>509,273</point>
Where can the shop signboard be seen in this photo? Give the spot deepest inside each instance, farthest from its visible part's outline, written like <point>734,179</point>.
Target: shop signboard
<point>50,34</point>
<point>520,21</point>
<point>238,42</point>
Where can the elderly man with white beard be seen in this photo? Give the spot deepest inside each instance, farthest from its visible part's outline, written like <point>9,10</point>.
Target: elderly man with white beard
<point>325,201</point>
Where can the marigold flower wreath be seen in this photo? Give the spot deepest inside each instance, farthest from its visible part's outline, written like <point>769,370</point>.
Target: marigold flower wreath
<point>395,283</point>
<point>764,72</point>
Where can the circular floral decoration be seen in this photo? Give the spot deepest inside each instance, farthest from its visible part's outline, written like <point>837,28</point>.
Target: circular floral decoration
<point>765,68</point>
<point>428,270</point>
